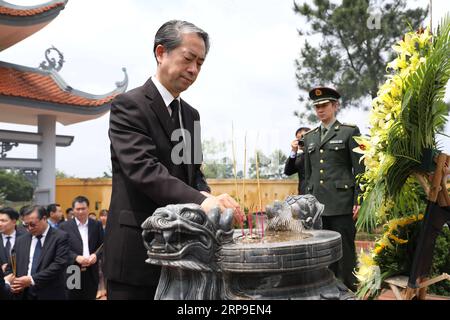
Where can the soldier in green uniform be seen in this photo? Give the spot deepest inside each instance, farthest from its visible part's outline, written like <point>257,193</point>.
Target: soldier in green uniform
<point>330,170</point>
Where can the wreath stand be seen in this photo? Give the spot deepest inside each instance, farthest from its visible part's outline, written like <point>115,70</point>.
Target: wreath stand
<point>436,215</point>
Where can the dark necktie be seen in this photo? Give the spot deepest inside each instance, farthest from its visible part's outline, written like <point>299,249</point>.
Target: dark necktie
<point>37,254</point>
<point>174,106</point>
<point>8,247</point>
<point>324,133</point>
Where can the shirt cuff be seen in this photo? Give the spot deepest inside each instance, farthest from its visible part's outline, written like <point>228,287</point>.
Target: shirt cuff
<point>32,281</point>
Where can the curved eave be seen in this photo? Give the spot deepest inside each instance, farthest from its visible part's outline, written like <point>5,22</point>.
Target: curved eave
<point>121,86</point>
<point>26,111</point>
<point>19,102</point>
<point>28,20</point>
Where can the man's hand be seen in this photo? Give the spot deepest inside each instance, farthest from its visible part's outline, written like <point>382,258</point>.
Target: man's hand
<point>355,212</point>
<point>9,278</point>
<point>222,201</point>
<point>19,284</point>
<point>92,259</point>
<point>82,261</point>
<point>294,145</point>
<point>4,267</point>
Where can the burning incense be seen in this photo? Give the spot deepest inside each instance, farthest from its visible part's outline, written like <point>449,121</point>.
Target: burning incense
<point>234,162</point>
<point>241,218</point>
<point>245,169</point>
<point>250,222</point>
<point>262,225</point>
<point>13,263</point>
<point>259,190</point>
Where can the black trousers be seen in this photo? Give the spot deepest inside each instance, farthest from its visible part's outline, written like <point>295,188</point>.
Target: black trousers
<point>88,290</point>
<point>344,268</point>
<point>123,291</point>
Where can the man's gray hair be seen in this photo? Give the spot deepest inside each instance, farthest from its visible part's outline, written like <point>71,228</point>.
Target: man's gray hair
<point>170,34</point>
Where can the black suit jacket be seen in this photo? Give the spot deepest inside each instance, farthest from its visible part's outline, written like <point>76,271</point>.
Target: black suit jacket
<point>143,178</point>
<point>3,257</point>
<point>5,293</point>
<point>95,240</point>
<point>49,278</point>
<point>297,165</point>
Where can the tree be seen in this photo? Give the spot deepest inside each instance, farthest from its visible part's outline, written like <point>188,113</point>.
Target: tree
<point>218,169</point>
<point>2,199</point>
<point>62,175</point>
<point>107,174</point>
<point>216,165</point>
<point>15,186</point>
<point>270,167</point>
<point>354,45</point>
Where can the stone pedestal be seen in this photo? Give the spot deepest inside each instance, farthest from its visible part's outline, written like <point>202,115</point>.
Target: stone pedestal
<point>295,269</point>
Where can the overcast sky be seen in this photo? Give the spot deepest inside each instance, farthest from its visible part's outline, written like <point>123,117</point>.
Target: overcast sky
<point>248,78</point>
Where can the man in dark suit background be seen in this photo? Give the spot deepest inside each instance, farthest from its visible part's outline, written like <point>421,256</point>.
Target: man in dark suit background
<point>9,232</point>
<point>156,158</point>
<point>85,238</point>
<point>5,290</point>
<point>41,259</point>
<point>295,163</point>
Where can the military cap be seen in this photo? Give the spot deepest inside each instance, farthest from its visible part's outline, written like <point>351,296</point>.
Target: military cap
<point>321,95</point>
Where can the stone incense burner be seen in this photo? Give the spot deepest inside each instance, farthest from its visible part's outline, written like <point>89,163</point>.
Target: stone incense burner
<point>203,258</point>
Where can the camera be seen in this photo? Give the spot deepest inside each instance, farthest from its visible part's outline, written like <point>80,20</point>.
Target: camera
<point>301,142</point>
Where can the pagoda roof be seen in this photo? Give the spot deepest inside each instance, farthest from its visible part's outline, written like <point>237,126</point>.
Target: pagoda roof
<point>28,92</point>
<point>19,22</point>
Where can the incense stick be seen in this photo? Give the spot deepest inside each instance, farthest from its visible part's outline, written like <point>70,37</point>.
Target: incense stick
<point>234,162</point>
<point>259,187</point>
<point>241,219</point>
<point>13,263</point>
<point>245,169</point>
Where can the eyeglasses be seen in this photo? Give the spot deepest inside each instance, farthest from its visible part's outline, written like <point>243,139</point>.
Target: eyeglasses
<point>31,224</point>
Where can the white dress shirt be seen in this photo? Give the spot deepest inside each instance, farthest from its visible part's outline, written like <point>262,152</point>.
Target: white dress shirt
<point>83,228</point>
<point>168,98</point>
<point>12,239</point>
<point>165,94</point>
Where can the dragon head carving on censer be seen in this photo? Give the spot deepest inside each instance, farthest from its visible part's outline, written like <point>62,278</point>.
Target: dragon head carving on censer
<point>184,236</point>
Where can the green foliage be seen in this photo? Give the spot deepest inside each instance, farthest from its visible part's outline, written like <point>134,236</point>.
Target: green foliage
<point>441,263</point>
<point>2,199</point>
<point>367,220</point>
<point>219,169</point>
<point>107,174</point>
<point>423,112</point>
<point>397,258</point>
<point>350,56</point>
<point>270,167</point>
<point>62,175</point>
<point>15,186</point>
<point>216,165</point>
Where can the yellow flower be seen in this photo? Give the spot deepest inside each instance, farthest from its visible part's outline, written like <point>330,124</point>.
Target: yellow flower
<point>378,249</point>
<point>397,240</point>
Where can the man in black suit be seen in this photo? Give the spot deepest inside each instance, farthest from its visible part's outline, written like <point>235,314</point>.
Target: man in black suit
<point>156,158</point>
<point>41,259</point>
<point>9,233</point>
<point>86,237</point>
<point>295,163</point>
<point>5,293</point>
